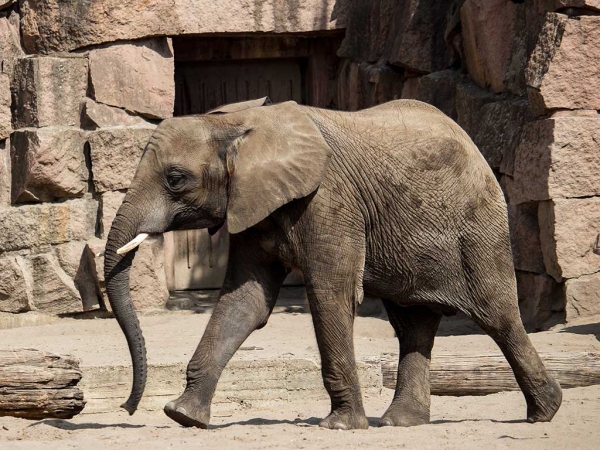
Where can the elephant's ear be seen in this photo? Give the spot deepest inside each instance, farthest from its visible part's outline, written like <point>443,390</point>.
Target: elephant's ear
<point>280,155</point>
<point>235,107</point>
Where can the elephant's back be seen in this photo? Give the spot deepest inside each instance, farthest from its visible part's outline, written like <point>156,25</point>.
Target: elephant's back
<point>408,143</point>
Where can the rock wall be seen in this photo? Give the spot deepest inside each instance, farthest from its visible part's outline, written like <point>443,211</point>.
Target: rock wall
<point>72,128</point>
<point>523,79</point>
<point>82,86</point>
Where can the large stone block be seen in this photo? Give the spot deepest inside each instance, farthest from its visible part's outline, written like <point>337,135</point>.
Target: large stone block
<point>55,25</point>
<point>525,237</point>
<point>541,300</point>
<point>115,154</point>
<point>53,291</point>
<point>564,69</point>
<point>147,277</point>
<point>10,44</point>
<point>362,85</point>
<point>96,115</point>
<point>406,33</point>
<point>14,292</point>
<point>5,102</point>
<point>48,223</point>
<point>439,89</point>
<point>494,43</point>
<point>138,76</point>
<point>582,296</point>
<point>48,163</point>
<point>568,232</point>
<point>109,205</point>
<point>47,90</point>
<point>78,262</point>
<point>557,158</point>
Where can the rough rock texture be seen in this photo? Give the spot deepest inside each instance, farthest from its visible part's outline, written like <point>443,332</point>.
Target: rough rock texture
<point>48,163</point>
<point>411,87</point>
<point>115,154</point>
<point>525,237</point>
<point>541,300</point>
<point>499,131</point>
<point>53,291</point>
<point>495,123</point>
<point>557,158</point>
<point>564,69</point>
<point>48,223</point>
<point>5,101</point>
<point>470,99</point>
<point>583,296</point>
<point>109,205</point>
<point>47,90</point>
<point>568,232</point>
<point>10,45</point>
<point>14,296</point>
<point>407,33</point>
<point>55,25</point>
<point>494,43</point>
<point>137,76</point>
<point>364,85</point>
<point>585,5</point>
<point>147,277</point>
<point>96,115</point>
<point>76,259</point>
<point>439,89</point>
<point>5,199</point>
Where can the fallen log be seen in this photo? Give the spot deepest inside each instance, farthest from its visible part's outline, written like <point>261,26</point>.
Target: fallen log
<point>463,374</point>
<point>38,385</point>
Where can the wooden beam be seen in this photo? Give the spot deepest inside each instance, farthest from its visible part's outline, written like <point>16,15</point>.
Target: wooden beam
<point>39,385</point>
<point>463,374</point>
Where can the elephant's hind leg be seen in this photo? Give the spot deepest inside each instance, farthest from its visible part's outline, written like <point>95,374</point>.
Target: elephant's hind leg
<point>543,394</point>
<point>493,305</point>
<point>415,327</point>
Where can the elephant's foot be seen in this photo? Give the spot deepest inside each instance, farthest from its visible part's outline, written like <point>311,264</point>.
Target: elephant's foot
<point>399,416</point>
<point>188,412</point>
<point>339,420</point>
<point>546,402</point>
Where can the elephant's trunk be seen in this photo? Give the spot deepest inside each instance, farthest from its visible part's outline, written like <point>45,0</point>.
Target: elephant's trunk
<point>116,274</point>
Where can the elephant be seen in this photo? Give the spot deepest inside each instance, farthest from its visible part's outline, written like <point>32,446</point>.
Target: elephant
<point>394,202</point>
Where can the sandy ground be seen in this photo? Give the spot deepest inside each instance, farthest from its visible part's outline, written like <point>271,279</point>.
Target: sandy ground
<point>466,423</point>
<point>494,421</point>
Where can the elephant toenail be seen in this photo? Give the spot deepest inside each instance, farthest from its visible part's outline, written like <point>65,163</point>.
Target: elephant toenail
<point>181,410</point>
<point>339,426</point>
<point>170,406</point>
<point>385,423</point>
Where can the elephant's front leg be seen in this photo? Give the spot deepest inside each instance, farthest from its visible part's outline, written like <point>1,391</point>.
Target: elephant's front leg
<point>333,318</point>
<point>249,293</point>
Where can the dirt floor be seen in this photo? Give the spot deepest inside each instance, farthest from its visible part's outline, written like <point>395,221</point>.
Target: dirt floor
<point>493,421</point>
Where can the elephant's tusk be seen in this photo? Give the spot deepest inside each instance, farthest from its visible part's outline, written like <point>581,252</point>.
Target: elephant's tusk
<point>132,244</point>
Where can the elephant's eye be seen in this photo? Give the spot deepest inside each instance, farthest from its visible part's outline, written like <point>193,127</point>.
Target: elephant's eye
<point>175,179</point>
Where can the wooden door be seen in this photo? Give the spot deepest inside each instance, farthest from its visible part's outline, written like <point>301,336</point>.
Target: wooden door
<point>194,259</point>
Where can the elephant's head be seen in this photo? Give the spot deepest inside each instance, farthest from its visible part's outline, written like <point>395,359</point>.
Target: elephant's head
<point>235,165</point>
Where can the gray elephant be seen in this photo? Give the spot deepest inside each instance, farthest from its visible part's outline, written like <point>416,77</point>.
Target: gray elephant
<point>394,201</point>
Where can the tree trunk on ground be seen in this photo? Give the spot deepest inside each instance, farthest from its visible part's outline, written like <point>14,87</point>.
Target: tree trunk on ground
<point>460,374</point>
<point>39,385</point>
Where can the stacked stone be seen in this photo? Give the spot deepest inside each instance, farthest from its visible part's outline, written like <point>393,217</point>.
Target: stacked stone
<point>522,78</point>
<point>69,148</point>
